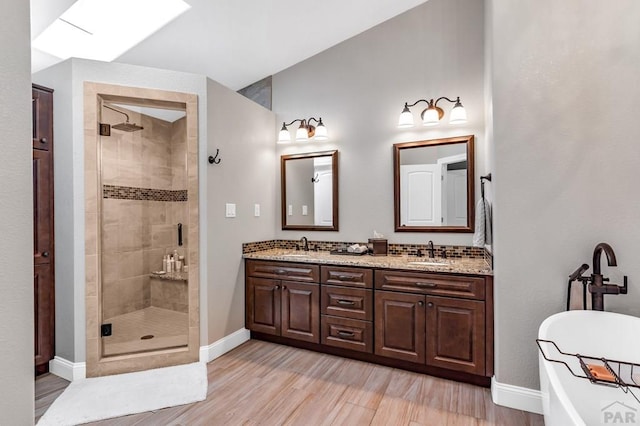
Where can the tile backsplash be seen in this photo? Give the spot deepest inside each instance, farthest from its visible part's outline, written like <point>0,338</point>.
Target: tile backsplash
<point>395,249</point>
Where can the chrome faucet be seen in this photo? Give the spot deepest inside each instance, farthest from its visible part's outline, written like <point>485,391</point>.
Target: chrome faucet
<point>597,288</point>
<point>430,249</point>
<point>305,243</point>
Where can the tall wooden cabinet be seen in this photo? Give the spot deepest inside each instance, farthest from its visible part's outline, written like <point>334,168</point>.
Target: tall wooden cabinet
<point>43,237</point>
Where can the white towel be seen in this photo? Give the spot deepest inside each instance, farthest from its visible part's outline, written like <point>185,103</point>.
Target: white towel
<point>483,231</point>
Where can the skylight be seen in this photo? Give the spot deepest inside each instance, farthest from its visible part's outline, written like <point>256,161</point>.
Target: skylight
<point>105,29</point>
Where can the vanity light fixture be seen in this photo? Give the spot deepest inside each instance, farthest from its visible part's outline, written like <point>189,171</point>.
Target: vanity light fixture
<point>432,114</point>
<point>305,131</point>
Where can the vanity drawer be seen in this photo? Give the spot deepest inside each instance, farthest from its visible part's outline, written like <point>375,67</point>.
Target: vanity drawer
<point>283,270</point>
<point>437,284</point>
<point>347,302</point>
<point>347,333</point>
<point>351,277</point>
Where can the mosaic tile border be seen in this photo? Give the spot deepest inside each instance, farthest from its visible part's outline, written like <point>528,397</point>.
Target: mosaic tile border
<point>456,252</point>
<point>143,194</point>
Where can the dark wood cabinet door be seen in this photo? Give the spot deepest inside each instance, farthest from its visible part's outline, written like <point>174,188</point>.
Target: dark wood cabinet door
<point>456,334</point>
<point>400,326</point>
<point>301,311</point>
<point>42,207</point>
<point>263,305</point>
<point>42,116</point>
<point>43,316</point>
<point>43,238</point>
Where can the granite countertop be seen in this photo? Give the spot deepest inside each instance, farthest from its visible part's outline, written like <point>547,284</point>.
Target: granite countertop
<point>454,266</point>
<point>171,276</point>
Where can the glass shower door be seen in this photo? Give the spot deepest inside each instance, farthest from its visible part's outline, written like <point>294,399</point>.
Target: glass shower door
<point>143,244</point>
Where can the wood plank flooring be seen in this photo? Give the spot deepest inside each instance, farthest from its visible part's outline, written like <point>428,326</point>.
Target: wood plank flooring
<point>262,383</point>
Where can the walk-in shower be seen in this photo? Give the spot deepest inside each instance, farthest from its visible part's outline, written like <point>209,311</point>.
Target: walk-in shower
<point>146,218</point>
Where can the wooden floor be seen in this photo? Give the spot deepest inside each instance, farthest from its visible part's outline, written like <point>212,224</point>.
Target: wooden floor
<point>262,383</point>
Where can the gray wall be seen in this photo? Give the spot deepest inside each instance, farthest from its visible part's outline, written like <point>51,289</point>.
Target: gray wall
<point>58,78</point>
<point>566,163</point>
<point>67,79</point>
<point>16,215</point>
<point>243,131</point>
<point>359,88</point>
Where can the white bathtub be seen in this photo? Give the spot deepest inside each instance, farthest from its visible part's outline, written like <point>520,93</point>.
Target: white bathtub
<point>568,400</point>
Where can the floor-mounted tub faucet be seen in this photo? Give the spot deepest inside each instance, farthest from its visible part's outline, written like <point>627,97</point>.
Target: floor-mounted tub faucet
<point>597,287</point>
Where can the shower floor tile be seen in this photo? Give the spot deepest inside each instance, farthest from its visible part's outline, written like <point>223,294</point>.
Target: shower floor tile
<point>168,328</point>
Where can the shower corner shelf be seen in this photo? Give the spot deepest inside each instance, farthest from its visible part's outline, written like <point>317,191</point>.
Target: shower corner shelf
<point>599,370</point>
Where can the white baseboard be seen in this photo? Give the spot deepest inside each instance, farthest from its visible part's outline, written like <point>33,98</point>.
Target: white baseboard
<point>516,397</point>
<point>224,345</point>
<point>68,370</point>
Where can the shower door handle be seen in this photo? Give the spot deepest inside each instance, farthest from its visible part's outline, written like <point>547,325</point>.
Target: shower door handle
<point>180,234</point>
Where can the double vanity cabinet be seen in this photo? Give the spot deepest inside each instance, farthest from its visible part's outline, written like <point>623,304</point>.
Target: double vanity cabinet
<point>439,323</point>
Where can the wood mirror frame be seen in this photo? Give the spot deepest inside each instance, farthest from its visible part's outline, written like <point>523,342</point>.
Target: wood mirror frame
<point>334,188</point>
<point>399,147</point>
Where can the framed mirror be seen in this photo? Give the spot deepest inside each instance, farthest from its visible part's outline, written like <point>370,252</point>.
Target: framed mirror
<point>433,185</point>
<point>309,191</point>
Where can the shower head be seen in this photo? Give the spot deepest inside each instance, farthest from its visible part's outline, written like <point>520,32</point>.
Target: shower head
<point>126,126</point>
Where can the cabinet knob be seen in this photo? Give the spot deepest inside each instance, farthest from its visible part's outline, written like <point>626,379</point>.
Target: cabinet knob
<point>420,303</point>
<point>284,287</point>
<point>45,254</point>
<point>43,140</point>
<point>277,287</point>
<point>430,304</point>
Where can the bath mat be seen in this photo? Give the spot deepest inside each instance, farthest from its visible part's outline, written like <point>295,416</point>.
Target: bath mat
<point>99,398</point>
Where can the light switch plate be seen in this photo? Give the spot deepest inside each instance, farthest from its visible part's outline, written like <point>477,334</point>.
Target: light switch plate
<point>231,210</point>
<point>256,210</point>
<point>290,210</point>
<point>305,210</point>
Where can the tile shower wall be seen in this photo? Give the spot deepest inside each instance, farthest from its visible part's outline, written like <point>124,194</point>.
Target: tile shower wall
<point>144,198</point>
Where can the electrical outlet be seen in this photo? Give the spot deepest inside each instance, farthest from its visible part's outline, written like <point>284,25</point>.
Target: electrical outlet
<point>305,210</point>
<point>230,210</point>
<point>106,330</point>
<point>290,210</point>
<point>256,210</point>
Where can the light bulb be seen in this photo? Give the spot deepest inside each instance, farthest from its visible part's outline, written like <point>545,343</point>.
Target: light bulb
<point>458,114</point>
<point>430,117</point>
<point>321,132</point>
<point>406,118</point>
<point>301,134</point>
<point>284,136</point>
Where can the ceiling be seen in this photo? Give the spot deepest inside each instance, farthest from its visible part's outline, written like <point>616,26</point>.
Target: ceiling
<point>238,42</point>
